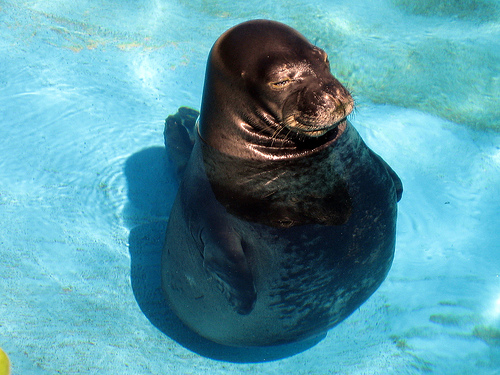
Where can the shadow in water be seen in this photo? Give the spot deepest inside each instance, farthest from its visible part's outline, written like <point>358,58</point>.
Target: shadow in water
<point>151,191</point>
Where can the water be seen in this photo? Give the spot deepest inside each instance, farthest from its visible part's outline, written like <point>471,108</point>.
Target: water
<point>85,189</point>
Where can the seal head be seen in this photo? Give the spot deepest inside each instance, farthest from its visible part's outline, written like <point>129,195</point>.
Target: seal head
<point>269,94</point>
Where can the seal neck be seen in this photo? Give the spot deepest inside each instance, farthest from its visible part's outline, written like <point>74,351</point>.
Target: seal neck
<point>243,140</point>
<point>293,146</point>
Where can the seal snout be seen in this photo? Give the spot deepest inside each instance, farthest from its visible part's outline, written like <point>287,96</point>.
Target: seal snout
<point>337,96</point>
<point>320,110</point>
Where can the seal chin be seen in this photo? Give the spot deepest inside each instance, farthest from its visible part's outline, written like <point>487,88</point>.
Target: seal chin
<point>310,130</point>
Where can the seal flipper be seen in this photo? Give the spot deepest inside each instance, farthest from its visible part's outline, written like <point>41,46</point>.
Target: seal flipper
<point>225,260</point>
<point>398,185</point>
<point>179,137</point>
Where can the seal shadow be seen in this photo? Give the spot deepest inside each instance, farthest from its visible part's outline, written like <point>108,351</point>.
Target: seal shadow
<point>152,187</point>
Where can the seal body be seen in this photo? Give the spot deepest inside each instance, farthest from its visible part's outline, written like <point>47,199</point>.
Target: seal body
<point>284,222</point>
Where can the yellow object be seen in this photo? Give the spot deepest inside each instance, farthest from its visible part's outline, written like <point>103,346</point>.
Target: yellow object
<point>4,363</point>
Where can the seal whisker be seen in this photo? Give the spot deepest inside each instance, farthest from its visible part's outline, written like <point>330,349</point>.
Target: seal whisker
<point>277,177</point>
<point>274,137</point>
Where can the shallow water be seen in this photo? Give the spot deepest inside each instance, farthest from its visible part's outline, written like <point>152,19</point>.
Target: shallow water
<point>85,188</point>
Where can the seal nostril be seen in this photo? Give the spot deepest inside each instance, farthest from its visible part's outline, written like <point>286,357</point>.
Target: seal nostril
<point>328,98</point>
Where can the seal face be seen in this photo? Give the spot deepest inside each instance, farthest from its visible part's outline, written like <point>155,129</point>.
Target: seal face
<point>284,98</point>
<point>284,222</point>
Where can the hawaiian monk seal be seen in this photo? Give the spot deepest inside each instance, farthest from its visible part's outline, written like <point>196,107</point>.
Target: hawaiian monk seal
<point>285,220</point>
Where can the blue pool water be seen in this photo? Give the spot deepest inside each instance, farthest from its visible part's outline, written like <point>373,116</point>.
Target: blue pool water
<point>85,188</point>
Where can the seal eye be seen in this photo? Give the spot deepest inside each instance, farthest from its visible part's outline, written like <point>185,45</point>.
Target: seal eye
<point>281,84</point>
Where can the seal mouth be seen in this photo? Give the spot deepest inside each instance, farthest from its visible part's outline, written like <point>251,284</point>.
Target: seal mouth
<point>310,130</point>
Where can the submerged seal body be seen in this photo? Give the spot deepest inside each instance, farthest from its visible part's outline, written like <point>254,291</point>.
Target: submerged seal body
<point>285,220</point>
